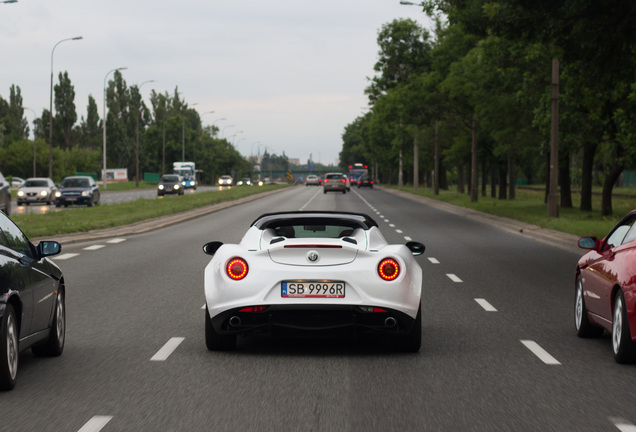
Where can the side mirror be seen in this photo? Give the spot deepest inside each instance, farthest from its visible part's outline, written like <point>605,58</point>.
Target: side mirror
<point>589,243</point>
<point>212,247</point>
<point>416,248</point>
<point>49,248</point>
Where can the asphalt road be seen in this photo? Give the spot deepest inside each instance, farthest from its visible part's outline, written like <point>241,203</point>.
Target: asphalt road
<point>499,349</point>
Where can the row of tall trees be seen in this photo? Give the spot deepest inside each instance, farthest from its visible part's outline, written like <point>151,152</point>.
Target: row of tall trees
<point>471,103</point>
<point>165,130</point>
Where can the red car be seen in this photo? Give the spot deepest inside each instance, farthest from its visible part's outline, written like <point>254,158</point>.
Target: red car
<point>605,289</point>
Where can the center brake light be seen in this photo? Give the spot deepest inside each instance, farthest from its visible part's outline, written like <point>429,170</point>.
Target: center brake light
<point>236,268</point>
<point>389,269</point>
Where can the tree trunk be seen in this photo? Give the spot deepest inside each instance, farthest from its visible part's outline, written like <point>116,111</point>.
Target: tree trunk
<point>511,175</point>
<point>589,151</point>
<point>502,182</point>
<point>608,186</point>
<point>493,180</point>
<point>460,179</point>
<point>565,183</point>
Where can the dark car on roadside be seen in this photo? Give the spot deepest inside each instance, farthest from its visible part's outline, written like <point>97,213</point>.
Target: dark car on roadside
<point>80,190</point>
<point>170,184</point>
<point>365,181</point>
<point>32,307</point>
<point>5,195</point>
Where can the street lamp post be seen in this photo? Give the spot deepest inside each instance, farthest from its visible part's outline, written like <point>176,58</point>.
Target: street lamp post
<point>51,105</point>
<point>219,119</point>
<point>223,131</point>
<point>183,134</point>
<point>104,128</point>
<point>139,115</point>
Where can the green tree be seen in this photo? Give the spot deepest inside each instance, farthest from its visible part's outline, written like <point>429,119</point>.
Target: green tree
<point>65,114</point>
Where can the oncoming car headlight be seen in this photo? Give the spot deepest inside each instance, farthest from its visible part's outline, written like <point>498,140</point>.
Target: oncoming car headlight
<point>20,193</point>
<point>58,194</point>
<point>160,187</point>
<point>86,193</point>
<point>44,193</point>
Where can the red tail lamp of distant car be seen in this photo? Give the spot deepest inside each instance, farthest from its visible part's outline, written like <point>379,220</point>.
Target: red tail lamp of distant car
<point>389,269</point>
<point>236,268</point>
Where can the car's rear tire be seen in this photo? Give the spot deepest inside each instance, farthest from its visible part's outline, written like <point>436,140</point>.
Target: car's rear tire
<point>412,341</point>
<point>622,345</point>
<point>9,349</point>
<point>215,341</point>
<point>57,334</point>
<point>584,328</point>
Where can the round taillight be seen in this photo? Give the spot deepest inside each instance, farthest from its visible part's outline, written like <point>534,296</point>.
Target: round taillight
<point>389,269</point>
<point>236,268</point>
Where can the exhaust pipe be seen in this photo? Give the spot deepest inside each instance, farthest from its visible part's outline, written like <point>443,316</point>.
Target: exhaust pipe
<point>390,322</point>
<point>235,321</point>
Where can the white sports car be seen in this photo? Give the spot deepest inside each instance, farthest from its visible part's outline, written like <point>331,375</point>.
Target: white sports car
<point>313,273</point>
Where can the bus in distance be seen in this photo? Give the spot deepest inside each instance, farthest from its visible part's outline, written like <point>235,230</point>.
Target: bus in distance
<point>356,171</point>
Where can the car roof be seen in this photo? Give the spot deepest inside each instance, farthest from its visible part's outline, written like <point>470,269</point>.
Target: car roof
<point>359,220</point>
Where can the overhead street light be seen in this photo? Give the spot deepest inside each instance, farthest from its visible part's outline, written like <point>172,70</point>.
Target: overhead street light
<point>139,115</point>
<point>104,161</point>
<point>183,134</point>
<point>51,102</point>
<point>223,131</point>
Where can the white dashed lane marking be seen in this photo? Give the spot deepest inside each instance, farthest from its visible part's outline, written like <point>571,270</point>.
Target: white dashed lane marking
<point>433,260</point>
<point>454,278</point>
<point>95,424</point>
<point>116,240</point>
<point>540,352</point>
<point>623,425</point>
<point>94,247</point>
<point>487,306</point>
<point>167,349</point>
<point>65,256</point>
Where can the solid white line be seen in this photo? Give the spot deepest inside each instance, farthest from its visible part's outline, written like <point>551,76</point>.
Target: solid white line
<point>167,349</point>
<point>623,425</point>
<point>116,240</point>
<point>65,256</point>
<point>94,247</point>
<point>540,352</point>
<point>487,306</point>
<point>95,424</point>
<point>433,260</point>
<point>453,277</point>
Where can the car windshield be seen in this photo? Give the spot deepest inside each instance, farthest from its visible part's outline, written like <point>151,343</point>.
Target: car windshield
<point>170,179</point>
<point>75,183</point>
<point>36,183</point>
<point>319,230</point>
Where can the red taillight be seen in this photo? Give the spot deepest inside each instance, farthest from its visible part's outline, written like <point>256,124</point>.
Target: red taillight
<point>344,181</point>
<point>326,181</point>
<point>253,309</point>
<point>389,269</point>
<point>236,268</point>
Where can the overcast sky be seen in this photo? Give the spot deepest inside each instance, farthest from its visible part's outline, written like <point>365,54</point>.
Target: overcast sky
<point>288,75</point>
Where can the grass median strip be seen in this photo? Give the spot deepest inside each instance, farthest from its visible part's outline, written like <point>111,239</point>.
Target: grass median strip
<point>529,207</point>
<point>84,219</point>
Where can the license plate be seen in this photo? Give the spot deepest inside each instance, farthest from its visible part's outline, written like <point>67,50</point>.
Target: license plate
<point>312,289</point>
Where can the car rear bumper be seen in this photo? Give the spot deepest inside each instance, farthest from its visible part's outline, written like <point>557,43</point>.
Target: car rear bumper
<point>313,321</point>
